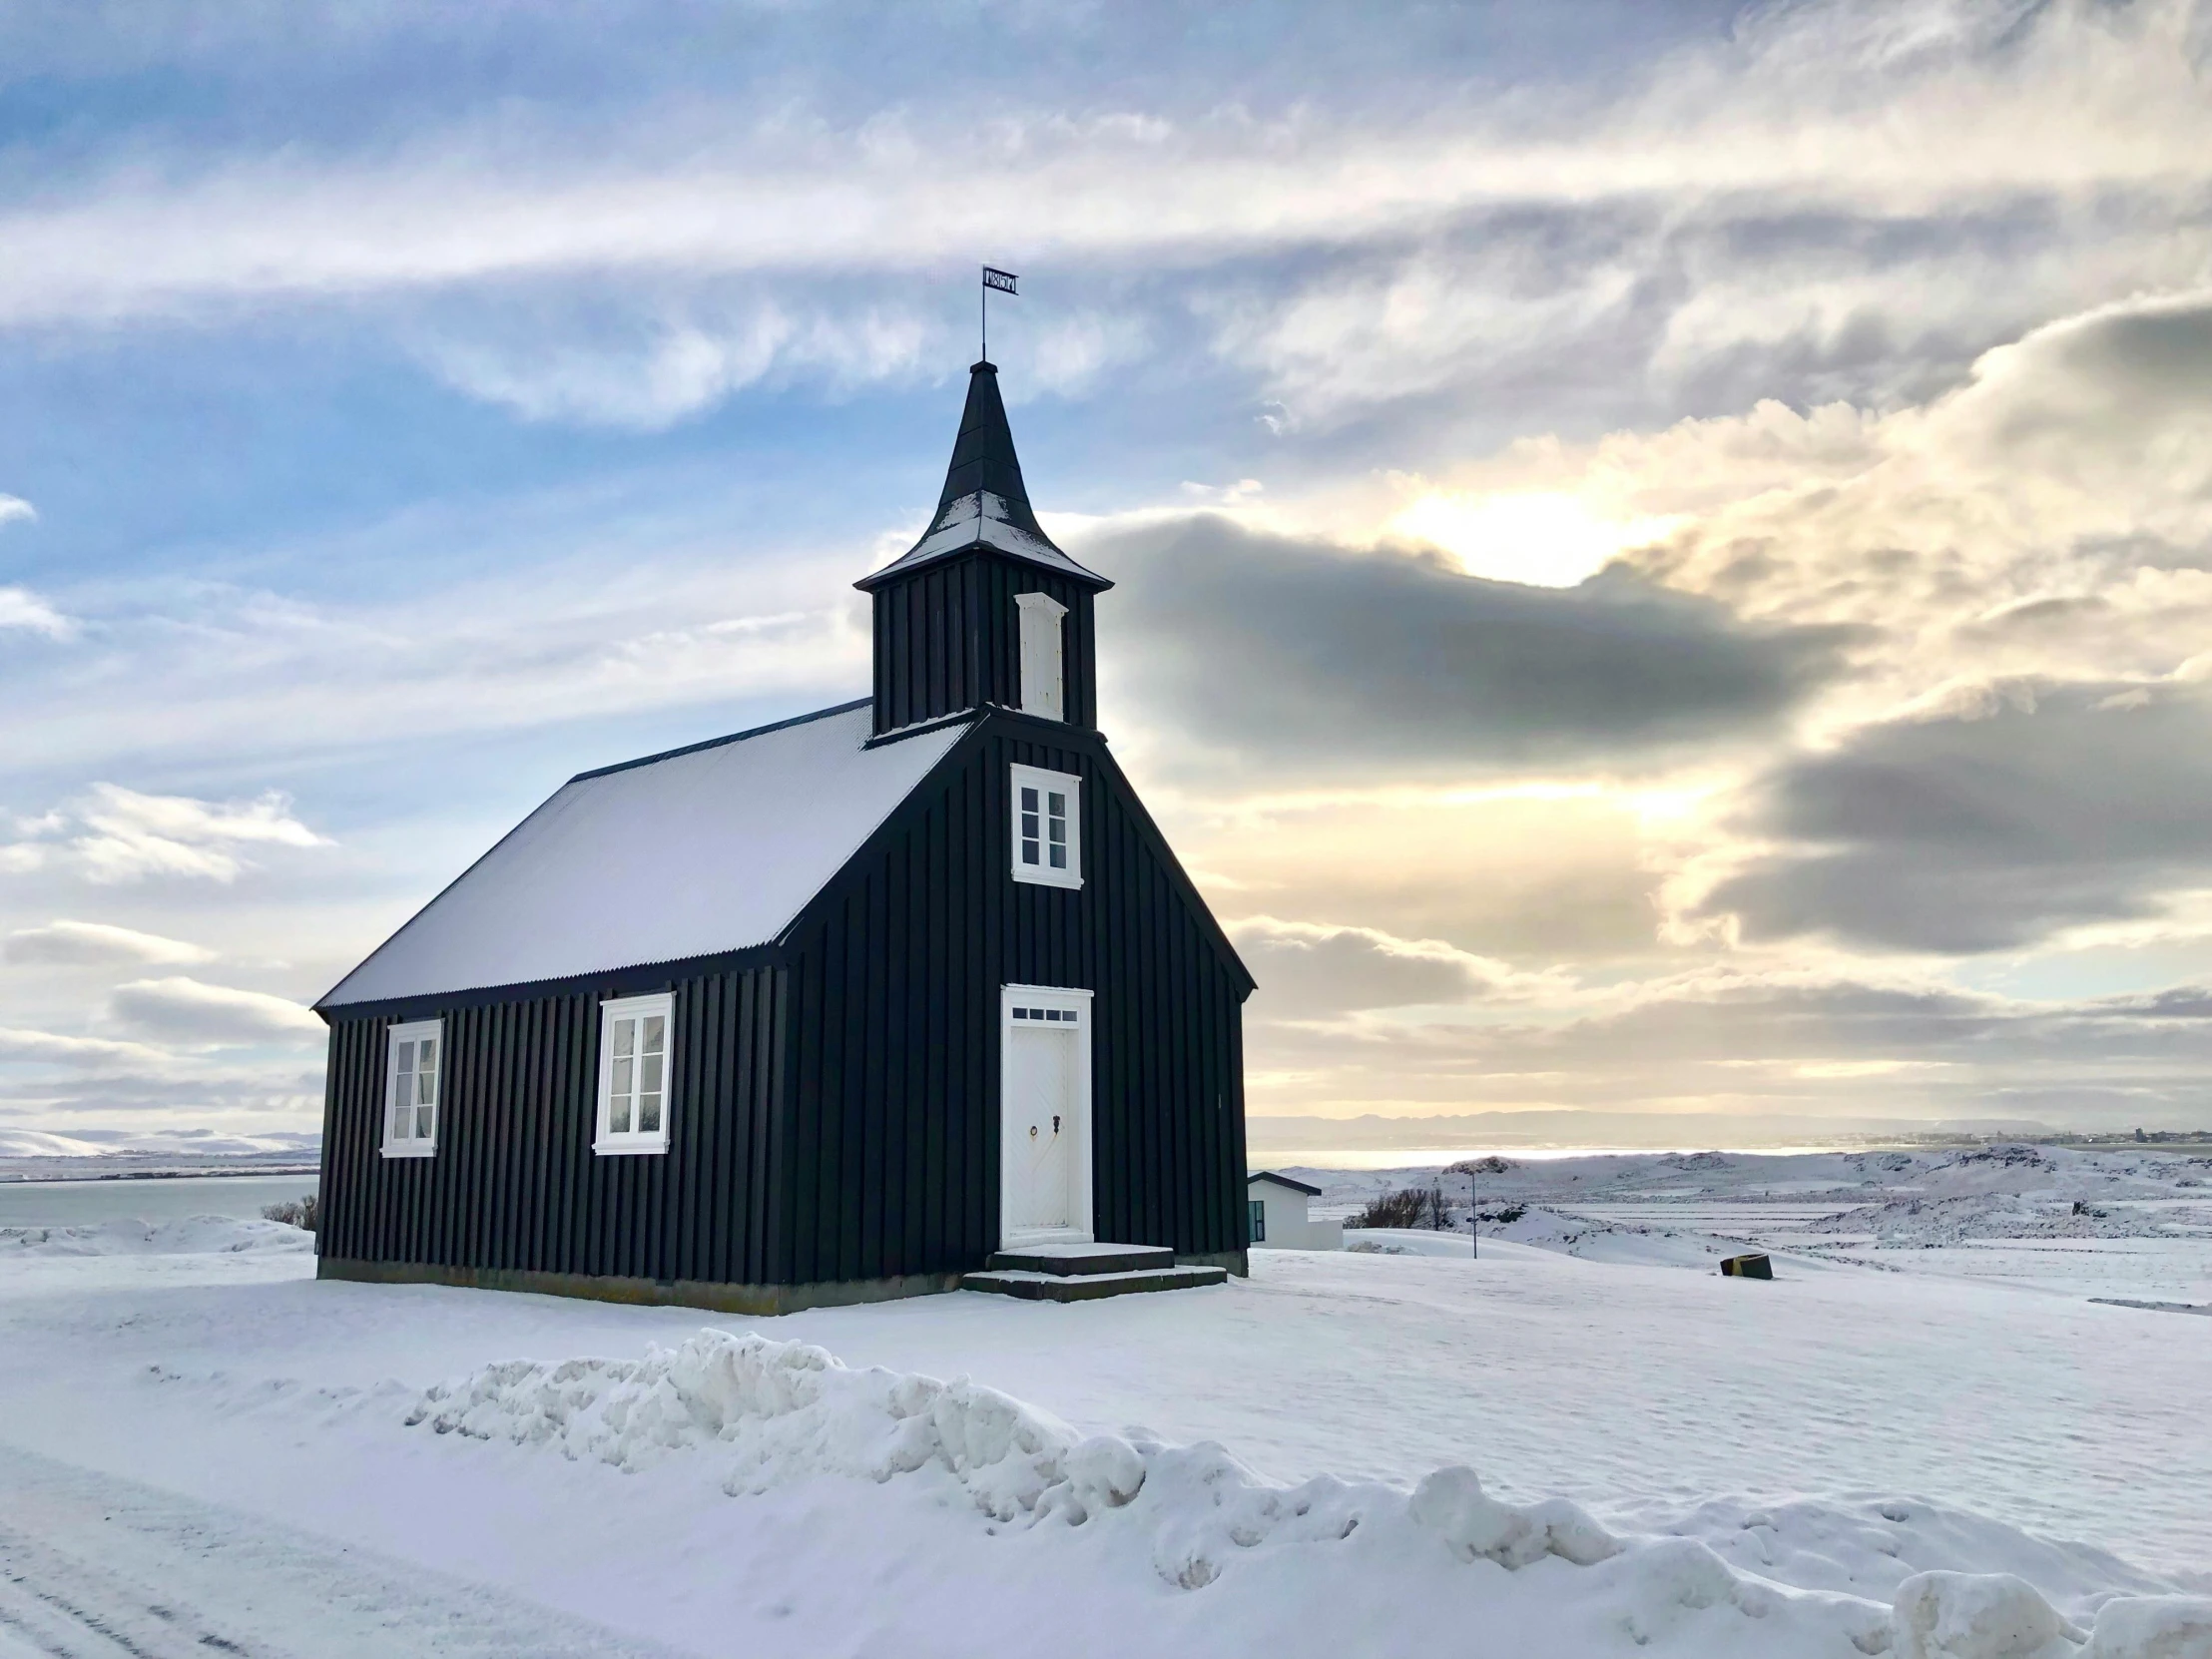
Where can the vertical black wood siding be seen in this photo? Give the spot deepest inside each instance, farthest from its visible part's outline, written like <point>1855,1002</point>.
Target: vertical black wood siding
<point>514,1183</point>
<point>949,638</point>
<point>835,1114</point>
<point>897,975</point>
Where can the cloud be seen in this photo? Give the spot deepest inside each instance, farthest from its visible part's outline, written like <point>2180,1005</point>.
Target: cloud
<point>187,1009</point>
<point>1308,969</point>
<point>79,942</point>
<point>21,608</point>
<point>1278,655</point>
<point>47,1048</point>
<point>1817,104</point>
<point>114,836</point>
<point>1792,1041</point>
<point>2019,810</point>
<point>651,369</point>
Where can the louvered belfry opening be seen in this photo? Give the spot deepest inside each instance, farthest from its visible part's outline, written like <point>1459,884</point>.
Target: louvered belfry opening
<point>947,616</point>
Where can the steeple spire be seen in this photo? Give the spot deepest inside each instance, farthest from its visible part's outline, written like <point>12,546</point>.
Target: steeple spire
<point>984,455</point>
<point>984,502</point>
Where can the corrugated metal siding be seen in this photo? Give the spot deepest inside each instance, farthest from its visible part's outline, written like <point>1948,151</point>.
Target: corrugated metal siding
<point>949,638</point>
<point>515,1184</point>
<point>896,1001</point>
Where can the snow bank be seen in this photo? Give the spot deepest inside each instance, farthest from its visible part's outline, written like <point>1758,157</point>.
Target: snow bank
<point>784,1412</point>
<point>196,1236</point>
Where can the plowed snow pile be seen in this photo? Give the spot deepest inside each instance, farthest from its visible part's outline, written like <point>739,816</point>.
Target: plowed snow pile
<point>1807,1579</point>
<point>196,1236</point>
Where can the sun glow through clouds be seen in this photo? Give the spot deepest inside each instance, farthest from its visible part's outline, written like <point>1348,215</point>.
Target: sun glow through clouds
<point>1543,538</point>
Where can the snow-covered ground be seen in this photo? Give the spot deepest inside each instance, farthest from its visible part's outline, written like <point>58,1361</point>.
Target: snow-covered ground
<point>200,1445</point>
<point>2128,1224</point>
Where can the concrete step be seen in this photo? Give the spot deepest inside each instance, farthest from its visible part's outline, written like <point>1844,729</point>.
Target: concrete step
<point>1070,1260</point>
<point>1088,1286</point>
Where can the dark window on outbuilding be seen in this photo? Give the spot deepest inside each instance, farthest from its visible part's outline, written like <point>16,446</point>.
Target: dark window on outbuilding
<point>1258,1222</point>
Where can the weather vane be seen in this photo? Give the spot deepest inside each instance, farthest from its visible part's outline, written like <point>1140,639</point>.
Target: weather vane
<point>1004,281</point>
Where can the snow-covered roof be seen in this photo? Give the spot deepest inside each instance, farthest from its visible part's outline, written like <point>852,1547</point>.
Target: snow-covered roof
<point>984,502</point>
<point>700,850</point>
<point>984,518</point>
<point>1282,1181</point>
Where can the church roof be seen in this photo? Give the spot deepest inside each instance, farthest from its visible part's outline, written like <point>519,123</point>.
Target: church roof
<point>984,502</point>
<point>693,852</point>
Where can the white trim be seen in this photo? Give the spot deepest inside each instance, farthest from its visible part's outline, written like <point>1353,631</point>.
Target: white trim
<point>1043,656</point>
<point>608,1141</point>
<point>1021,844</point>
<point>401,1137</point>
<point>1065,999</point>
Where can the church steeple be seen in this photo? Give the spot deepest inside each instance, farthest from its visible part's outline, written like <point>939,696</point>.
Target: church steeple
<point>983,610</point>
<point>984,502</point>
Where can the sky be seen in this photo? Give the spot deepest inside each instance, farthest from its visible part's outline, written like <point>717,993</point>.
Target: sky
<point>1663,553</point>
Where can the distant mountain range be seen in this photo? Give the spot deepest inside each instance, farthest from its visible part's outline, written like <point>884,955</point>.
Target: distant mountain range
<point>1644,1131</point>
<point>280,1145</point>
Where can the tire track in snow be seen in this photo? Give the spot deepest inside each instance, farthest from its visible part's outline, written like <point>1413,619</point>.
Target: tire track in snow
<point>95,1568</point>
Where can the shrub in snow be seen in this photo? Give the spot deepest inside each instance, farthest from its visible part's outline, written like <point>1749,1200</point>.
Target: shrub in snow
<point>293,1212</point>
<point>1408,1207</point>
<point>2153,1627</point>
<point>1977,1615</point>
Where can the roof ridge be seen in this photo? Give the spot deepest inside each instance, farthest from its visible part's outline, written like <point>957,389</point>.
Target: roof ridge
<point>717,743</point>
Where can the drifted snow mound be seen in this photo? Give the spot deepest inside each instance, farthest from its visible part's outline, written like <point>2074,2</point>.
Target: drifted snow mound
<point>783,1411</point>
<point>196,1236</point>
<point>788,1410</point>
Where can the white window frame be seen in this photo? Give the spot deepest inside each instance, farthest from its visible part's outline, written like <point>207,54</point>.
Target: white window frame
<point>411,1036</point>
<point>1043,656</point>
<point>1046,783</point>
<point>607,1141</point>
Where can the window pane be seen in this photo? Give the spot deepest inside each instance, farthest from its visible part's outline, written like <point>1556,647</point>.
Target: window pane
<point>625,1075</point>
<point>649,1114</point>
<point>648,1074</point>
<point>626,1036</point>
<point>401,1118</point>
<point>426,1056</point>
<point>1059,856</point>
<point>1028,853</point>
<point>1029,826</point>
<point>422,1123</point>
<point>1028,799</point>
<point>426,1088</point>
<point>656,1035</point>
<point>406,1057</point>
<point>1058,803</point>
<point>618,1115</point>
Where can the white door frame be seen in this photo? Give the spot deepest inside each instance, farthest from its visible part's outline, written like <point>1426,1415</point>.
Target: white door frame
<point>1066,998</point>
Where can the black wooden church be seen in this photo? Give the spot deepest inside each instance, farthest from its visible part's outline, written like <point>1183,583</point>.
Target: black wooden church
<point>837,1009</point>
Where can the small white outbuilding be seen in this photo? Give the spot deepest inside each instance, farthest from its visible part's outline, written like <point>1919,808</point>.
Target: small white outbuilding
<point>1278,1219</point>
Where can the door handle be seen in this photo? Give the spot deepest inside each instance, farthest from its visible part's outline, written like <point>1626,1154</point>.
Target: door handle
<point>1055,1125</point>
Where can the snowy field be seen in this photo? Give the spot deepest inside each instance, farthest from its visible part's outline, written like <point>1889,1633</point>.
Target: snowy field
<point>2132,1224</point>
<point>201,1448</point>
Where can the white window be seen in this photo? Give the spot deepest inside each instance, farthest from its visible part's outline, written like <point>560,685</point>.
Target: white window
<point>412,1064</point>
<point>1041,671</point>
<point>1048,826</point>
<point>633,1074</point>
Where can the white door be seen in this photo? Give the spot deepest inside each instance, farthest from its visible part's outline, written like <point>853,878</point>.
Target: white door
<point>1044,1115</point>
